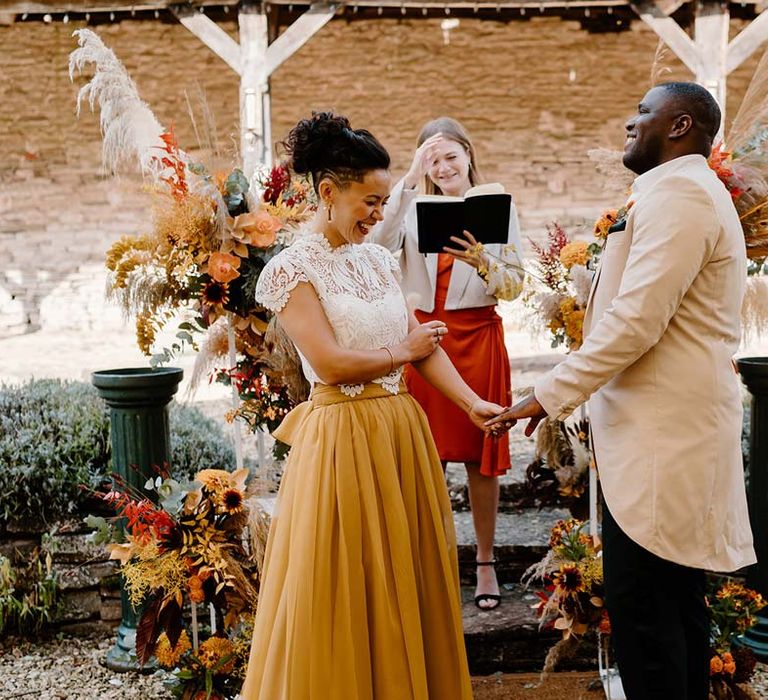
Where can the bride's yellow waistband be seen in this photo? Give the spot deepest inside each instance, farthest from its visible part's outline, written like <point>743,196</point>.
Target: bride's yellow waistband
<point>326,395</point>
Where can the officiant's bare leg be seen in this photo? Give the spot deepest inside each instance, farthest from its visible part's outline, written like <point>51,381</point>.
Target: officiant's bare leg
<point>484,502</point>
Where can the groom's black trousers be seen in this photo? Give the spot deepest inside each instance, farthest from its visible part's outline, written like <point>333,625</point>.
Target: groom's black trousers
<point>659,620</point>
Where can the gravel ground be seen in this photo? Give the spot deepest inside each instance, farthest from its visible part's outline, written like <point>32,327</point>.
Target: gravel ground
<point>70,669</point>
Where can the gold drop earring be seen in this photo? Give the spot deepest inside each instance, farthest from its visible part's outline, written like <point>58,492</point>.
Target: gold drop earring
<point>328,215</point>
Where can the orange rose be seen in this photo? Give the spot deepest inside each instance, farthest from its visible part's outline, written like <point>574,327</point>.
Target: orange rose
<point>258,229</point>
<point>715,665</point>
<point>223,267</point>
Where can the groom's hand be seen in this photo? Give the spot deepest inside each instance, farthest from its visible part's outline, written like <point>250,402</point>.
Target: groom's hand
<point>527,408</point>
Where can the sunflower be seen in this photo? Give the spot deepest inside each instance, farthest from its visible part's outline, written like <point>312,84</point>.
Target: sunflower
<point>569,579</point>
<point>232,501</point>
<point>215,293</point>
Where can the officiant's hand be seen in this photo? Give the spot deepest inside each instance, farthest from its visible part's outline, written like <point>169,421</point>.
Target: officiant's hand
<point>422,160</point>
<point>527,408</point>
<point>481,411</point>
<point>468,250</point>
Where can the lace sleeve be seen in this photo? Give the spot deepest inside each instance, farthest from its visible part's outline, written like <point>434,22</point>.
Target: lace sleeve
<point>276,281</point>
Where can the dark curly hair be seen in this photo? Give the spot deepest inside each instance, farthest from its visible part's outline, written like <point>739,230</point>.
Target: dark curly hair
<point>325,145</point>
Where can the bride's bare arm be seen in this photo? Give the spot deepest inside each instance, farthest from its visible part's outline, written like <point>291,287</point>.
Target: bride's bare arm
<point>439,371</point>
<point>306,324</point>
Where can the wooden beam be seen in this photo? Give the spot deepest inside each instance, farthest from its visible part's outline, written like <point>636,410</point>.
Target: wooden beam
<point>670,32</point>
<point>213,36</point>
<point>298,34</point>
<point>747,41</point>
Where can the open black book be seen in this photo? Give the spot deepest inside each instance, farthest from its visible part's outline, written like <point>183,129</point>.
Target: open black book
<point>483,211</point>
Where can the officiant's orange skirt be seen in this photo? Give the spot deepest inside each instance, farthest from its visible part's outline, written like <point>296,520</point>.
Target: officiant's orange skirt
<point>475,344</point>
<point>360,593</point>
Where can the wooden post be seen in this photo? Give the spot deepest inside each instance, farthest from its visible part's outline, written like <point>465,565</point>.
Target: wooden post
<point>709,57</point>
<point>254,60</point>
<point>711,38</point>
<point>255,136</point>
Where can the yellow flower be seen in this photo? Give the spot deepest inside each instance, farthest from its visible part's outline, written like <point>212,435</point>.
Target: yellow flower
<point>213,650</point>
<point>168,657</point>
<point>575,253</point>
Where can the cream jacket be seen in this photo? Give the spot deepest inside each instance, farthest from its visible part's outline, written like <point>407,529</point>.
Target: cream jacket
<point>661,328</point>
<point>466,290</point>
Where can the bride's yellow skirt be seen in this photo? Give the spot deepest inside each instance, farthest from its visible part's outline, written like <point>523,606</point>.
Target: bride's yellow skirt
<point>360,595</point>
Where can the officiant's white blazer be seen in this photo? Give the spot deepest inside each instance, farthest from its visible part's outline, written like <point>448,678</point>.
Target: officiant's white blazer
<point>661,328</point>
<point>466,289</point>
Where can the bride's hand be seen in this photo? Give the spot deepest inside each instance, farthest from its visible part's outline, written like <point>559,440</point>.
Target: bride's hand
<point>422,341</point>
<point>422,159</point>
<point>481,411</point>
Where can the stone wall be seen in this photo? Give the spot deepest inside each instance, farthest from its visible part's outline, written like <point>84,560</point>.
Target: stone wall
<point>88,582</point>
<point>536,95</point>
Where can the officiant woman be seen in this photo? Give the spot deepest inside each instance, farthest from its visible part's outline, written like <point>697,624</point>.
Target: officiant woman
<point>462,289</point>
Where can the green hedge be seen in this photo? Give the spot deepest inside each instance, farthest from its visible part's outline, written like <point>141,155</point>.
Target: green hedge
<point>54,446</point>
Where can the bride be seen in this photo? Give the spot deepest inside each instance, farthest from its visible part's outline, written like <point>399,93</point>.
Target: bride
<point>360,594</point>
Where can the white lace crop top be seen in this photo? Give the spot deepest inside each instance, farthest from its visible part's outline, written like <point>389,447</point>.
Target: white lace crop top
<point>358,288</point>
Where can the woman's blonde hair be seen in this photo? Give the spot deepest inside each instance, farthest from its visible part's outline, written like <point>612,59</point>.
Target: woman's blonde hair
<point>455,131</point>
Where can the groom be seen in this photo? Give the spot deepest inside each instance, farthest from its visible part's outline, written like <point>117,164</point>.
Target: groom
<point>661,327</point>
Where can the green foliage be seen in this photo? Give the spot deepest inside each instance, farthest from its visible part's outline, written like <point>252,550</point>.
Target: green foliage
<point>29,594</point>
<point>54,447</point>
<point>54,438</point>
<point>197,442</point>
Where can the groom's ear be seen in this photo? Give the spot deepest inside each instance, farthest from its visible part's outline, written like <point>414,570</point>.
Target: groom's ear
<point>680,126</point>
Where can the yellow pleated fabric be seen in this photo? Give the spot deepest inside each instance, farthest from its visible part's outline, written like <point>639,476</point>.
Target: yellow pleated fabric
<point>360,595</point>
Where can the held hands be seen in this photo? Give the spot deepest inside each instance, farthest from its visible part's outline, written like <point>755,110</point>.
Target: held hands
<point>422,160</point>
<point>423,340</point>
<point>527,408</point>
<point>468,251</point>
<point>481,411</point>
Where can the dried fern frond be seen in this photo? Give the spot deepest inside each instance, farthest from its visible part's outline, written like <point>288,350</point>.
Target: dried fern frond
<point>752,117</point>
<point>284,362</point>
<point>659,71</point>
<point>129,128</point>
<point>754,310</point>
<point>214,348</point>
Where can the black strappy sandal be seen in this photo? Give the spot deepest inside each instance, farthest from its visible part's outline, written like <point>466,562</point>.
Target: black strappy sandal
<point>487,597</point>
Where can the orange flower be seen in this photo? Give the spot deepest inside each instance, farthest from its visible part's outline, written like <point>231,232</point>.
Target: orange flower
<point>605,222</point>
<point>223,267</point>
<point>257,229</point>
<point>196,593</point>
<point>213,651</point>
<point>715,665</point>
<point>574,253</point>
<point>729,665</point>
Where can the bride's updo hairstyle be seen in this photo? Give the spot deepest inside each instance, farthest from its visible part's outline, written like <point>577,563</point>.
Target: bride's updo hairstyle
<point>326,146</point>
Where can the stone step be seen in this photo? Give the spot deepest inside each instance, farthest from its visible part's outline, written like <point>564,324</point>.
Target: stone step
<point>522,539</point>
<point>508,639</point>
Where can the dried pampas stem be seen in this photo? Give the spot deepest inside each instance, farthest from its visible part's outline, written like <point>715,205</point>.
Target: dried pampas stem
<point>658,69</point>
<point>754,310</point>
<point>130,129</point>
